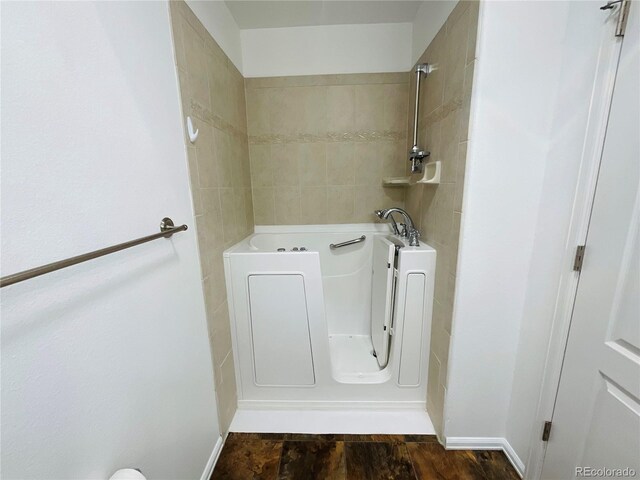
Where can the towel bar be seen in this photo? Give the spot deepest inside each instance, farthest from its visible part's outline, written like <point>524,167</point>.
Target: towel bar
<point>167,229</point>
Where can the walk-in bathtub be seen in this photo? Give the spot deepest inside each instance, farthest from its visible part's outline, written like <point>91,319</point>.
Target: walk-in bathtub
<point>319,324</point>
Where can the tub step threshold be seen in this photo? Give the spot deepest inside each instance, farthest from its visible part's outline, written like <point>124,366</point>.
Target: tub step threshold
<point>352,354</point>
<point>408,422</point>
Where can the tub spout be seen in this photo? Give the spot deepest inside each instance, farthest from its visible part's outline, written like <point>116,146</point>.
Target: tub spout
<point>394,225</point>
<point>410,231</point>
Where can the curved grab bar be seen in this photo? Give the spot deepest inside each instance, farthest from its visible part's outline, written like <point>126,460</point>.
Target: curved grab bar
<point>333,246</point>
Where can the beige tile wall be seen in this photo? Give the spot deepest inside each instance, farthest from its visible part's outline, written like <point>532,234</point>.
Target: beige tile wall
<point>320,146</point>
<point>444,125</point>
<point>212,91</point>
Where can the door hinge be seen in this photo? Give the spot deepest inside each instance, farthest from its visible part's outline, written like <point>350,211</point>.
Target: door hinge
<point>623,14</point>
<point>546,431</point>
<point>577,261</point>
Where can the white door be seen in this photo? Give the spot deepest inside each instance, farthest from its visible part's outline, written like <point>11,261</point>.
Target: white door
<point>382,296</point>
<point>596,420</point>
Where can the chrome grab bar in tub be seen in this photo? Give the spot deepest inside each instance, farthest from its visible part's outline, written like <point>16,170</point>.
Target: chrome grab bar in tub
<point>333,246</point>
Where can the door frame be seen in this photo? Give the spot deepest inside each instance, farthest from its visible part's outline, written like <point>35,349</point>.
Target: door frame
<point>586,182</point>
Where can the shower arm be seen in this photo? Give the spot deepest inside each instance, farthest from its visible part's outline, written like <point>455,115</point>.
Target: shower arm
<point>417,155</point>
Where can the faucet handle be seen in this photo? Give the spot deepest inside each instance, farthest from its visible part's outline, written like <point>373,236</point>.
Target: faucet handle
<point>403,230</point>
<point>414,235</point>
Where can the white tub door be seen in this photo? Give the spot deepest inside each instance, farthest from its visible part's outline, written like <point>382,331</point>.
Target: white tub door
<point>382,296</point>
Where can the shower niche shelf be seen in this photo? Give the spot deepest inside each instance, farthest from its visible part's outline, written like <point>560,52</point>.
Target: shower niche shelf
<point>430,176</point>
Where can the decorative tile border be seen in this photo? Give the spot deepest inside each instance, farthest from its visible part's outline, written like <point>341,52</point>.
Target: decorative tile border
<point>214,120</point>
<point>442,111</point>
<point>328,80</point>
<point>329,137</point>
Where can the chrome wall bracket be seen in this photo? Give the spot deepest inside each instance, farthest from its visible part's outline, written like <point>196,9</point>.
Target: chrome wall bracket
<point>166,225</point>
<point>424,68</point>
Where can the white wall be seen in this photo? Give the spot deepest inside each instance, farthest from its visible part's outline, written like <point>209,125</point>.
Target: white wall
<point>217,19</point>
<point>327,49</point>
<point>532,126</point>
<point>514,95</point>
<point>588,52</point>
<point>105,364</point>
<point>429,18</point>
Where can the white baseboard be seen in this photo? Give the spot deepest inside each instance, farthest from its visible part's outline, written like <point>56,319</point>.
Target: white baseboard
<point>474,443</point>
<point>486,443</point>
<point>211,463</point>
<point>329,405</point>
<point>513,458</point>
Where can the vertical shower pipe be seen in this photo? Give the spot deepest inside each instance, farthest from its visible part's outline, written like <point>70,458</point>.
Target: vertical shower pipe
<point>417,155</point>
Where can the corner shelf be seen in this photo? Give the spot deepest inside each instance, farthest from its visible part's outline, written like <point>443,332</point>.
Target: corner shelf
<point>396,181</point>
<point>431,176</point>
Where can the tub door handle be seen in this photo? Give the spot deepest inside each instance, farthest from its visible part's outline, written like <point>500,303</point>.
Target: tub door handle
<point>333,246</point>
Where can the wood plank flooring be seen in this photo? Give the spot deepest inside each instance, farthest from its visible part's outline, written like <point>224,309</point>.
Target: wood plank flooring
<point>289,456</point>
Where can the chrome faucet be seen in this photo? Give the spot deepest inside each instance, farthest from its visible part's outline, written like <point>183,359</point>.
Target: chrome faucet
<point>409,230</point>
<point>394,225</point>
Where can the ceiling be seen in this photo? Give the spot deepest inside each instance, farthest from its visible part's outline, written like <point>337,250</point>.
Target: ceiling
<point>250,14</point>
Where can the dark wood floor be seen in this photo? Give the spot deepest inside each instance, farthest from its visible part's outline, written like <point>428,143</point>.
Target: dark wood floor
<point>289,456</point>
